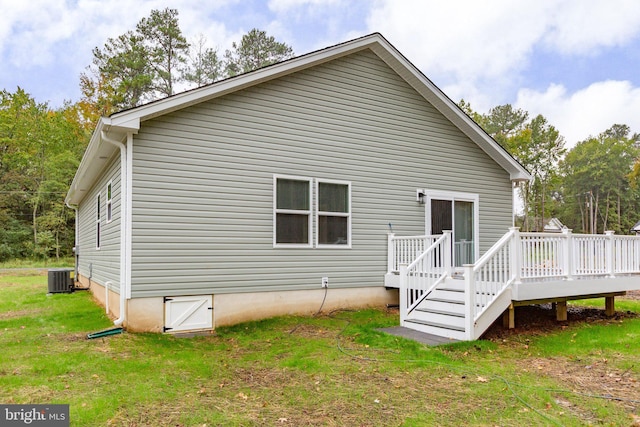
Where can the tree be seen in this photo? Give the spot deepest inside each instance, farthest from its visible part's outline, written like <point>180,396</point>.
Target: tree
<point>121,75</point>
<point>596,185</point>
<point>166,46</point>
<point>135,67</point>
<point>203,66</point>
<point>255,50</point>
<point>40,151</point>
<point>541,152</point>
<point>503,123</point>
<point>536,144</point>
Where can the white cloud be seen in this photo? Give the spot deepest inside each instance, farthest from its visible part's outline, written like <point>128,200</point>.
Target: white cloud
<point>32,31</point>
<point>587,112</point>
<point>582,26</point>
<point>482,52</point>
<point>281,6</point>
<point>492,43</point>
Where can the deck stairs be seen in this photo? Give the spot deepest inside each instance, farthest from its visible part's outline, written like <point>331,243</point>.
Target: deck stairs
<point>441,300</point>
<point>443,312</point>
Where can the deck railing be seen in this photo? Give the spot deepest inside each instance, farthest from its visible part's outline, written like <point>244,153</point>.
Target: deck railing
<point>565,255</point>
<point>406,249</point>
<point>626,250</point>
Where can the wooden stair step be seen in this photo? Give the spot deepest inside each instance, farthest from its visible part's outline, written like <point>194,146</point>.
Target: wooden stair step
<point>442,312</point>
<point>450,301</point>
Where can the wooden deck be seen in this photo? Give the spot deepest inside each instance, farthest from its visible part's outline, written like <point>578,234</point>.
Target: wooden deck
<point>520,269</point>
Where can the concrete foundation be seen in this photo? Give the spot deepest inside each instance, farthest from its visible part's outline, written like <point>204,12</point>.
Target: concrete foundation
<point>147,314</point>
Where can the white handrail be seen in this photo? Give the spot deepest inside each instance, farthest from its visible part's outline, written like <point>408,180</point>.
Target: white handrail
<point>422,276</point>
<point>486,279</point>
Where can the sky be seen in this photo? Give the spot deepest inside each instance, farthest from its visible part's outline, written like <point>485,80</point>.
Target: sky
<point>576,62</point>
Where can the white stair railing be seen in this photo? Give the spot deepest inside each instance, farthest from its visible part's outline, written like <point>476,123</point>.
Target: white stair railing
<point>490,276</point>
<point>422,276</point>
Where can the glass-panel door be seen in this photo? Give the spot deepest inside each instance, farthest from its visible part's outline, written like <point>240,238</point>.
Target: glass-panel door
<point>441,216</point>
<point>463,233</point>
<point>458,215</point>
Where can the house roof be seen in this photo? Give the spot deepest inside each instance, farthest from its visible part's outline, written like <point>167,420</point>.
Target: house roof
<point>554,225</point>
<point>118,125</point>
<point>636,227</point>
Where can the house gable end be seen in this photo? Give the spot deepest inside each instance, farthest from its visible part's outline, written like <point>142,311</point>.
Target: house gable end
<point>203,178</point>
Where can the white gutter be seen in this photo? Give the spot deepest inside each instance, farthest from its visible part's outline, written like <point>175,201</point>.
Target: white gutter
<point>124,197</point>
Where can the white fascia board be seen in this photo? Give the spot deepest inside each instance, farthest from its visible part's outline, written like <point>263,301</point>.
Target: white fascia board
<point>97,154</point>
<point>449,109</point>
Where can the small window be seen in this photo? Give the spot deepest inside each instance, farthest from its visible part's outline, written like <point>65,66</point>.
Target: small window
<point>292,211</point>
<point>334,213</point>
<point>98,222</point>
<point>109,203</point>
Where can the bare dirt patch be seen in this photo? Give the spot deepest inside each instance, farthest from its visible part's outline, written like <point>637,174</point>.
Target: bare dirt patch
<point>588,378</point>
<point>583,378</point>
<point>634,295</point>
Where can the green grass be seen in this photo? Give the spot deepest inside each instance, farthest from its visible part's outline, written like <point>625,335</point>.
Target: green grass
<point>335,369</point>
<point>37,264</point>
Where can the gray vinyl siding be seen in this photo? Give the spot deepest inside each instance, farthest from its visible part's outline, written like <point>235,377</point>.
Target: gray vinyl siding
<point>104,264</point>
<point>203,180</point>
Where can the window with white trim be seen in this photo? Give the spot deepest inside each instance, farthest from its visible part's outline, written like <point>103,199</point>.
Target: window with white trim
<point>333,213</point>
<point>98,221</point>
<point>109,203</point>
<point>292,217</point>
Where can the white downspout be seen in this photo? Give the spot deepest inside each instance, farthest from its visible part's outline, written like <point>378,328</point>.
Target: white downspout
<point>123,224</point>
<point>129,219</point>
<point>76,237</point>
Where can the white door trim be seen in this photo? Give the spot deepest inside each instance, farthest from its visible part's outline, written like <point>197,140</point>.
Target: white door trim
<point>455,196</point>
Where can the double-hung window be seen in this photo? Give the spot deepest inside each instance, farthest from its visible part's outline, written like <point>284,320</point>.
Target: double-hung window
<point>98,221</point>
<point>294,217</point>
<point>292,211</point>
<point>333,214</point>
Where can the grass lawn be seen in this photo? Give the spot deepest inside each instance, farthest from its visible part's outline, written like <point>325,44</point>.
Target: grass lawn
<point>334,370</point>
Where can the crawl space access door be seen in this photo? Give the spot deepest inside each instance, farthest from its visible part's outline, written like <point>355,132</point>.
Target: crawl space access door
<point>188,313</point>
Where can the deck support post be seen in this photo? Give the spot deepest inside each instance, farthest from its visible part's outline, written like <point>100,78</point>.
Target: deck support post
<point>469,301</point>
<point>610,262</point>
<point>509,317</point>
<point>610,306</point>
<point>561,311</point>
